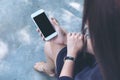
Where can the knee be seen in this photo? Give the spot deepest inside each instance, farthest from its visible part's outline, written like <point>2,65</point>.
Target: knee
<point>47,48</point>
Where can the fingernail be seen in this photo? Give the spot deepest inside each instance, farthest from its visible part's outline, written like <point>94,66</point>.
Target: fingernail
<point>52,18</point>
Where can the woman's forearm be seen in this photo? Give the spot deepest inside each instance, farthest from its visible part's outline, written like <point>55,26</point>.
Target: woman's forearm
<point>67,69</point>
<point>74,44</point>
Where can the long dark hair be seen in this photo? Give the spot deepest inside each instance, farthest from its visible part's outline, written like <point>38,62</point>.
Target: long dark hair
<point>104,26</point>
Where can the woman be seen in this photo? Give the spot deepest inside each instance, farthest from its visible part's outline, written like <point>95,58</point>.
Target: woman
<point>56,51</point>
<point>103,18</point>
<point>104,27</point>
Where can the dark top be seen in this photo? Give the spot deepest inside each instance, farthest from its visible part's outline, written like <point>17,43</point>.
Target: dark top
<point>86,67</point>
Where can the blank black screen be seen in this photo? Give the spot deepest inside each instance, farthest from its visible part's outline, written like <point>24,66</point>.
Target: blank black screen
<point>44,24</point>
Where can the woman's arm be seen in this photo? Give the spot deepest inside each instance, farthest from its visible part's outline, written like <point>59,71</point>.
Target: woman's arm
<point>67,69</point>
<point>74,44</point>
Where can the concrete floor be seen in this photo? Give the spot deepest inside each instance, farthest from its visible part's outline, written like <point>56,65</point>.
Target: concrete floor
<point>20,44</point>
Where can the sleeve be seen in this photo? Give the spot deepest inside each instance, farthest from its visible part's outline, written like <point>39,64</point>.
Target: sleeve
<point>64,78</point>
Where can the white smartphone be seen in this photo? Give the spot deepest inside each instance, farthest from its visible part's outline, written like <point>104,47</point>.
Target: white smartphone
<point>42,22</point>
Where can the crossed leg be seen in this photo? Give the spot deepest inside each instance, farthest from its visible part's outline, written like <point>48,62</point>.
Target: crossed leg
<point>51,50</point>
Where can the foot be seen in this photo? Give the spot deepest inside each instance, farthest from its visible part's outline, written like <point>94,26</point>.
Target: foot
<point>41,67</point>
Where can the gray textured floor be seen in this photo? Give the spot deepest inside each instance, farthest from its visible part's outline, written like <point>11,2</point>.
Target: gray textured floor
<point>20,44</point>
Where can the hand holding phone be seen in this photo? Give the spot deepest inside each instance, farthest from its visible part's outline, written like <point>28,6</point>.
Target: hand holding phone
<point>61,37</point>
<point>42,22</point>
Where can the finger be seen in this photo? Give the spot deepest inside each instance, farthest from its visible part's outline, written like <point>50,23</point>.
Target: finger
<point>41,35</point>
<point>74,34</point>
<point>69,34</point>
<point>54,22</point>
<point>43,38</point>
<point>38,30</point>
<point>81,36</point>
<point>55,25</point>
<point>77,35</point>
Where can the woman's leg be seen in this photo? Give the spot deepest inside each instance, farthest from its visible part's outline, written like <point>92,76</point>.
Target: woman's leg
<point>51,50</point>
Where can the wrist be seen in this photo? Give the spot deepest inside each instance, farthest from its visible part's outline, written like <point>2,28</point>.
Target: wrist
<point>70,58</point>
<point>72,54</point>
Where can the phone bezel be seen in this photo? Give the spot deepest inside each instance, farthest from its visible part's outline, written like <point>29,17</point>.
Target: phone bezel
<point>38,13</point>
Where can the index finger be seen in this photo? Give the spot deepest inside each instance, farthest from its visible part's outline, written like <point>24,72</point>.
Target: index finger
<point>38,30</point>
